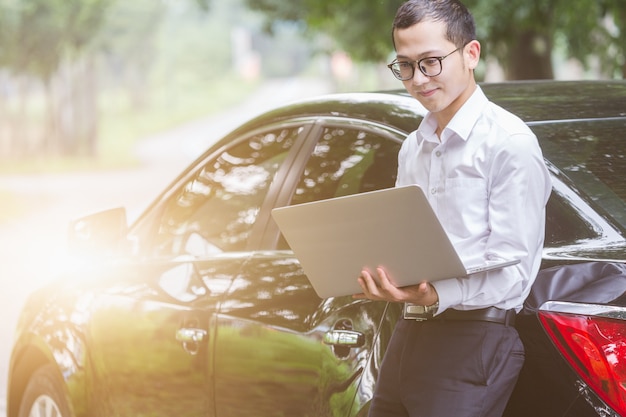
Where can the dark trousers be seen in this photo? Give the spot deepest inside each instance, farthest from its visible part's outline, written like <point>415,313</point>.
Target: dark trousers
<point>448,369</point>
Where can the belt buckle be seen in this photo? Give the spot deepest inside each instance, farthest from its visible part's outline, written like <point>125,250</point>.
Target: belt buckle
<point>416,312</point>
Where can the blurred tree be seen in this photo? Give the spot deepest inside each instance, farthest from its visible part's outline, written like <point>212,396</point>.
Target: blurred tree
<point>362,28</point>
<point>203,4</point>
<point>520,34</point>
<point>54,46</point>
<point>40,40</point>
<point>128,43</point>
<point>617,9</point>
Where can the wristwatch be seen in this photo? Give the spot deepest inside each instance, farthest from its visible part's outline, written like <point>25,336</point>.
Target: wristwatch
<point>418,312</point>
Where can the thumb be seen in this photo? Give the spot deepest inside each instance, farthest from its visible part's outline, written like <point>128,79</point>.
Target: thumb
<point>424,288</point>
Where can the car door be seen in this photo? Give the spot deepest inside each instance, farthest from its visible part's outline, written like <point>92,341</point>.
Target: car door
<point>148,340</point>
<point>280,349</point>
<point>152,329</point>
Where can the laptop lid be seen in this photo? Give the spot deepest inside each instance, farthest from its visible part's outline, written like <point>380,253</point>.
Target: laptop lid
<point>396,228</point>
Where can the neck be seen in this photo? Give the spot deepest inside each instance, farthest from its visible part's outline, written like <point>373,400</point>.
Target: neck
<point>443,117</point>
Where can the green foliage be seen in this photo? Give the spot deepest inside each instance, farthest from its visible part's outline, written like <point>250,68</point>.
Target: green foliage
<point>36,34</point>
<point>361,27</point>
<point>578,27</point>
<point>512,31</point>
<point>77,72</point>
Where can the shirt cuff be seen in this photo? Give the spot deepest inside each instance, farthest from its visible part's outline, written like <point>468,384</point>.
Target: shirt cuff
<point>449,292</point>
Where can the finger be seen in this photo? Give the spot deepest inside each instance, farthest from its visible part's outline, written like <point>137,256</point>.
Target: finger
<point>368,284</point>
<point>383,278</point>
<point>386,284</point>
<point>424,288</point>
<point>362,280</point>
<point>362,284</point>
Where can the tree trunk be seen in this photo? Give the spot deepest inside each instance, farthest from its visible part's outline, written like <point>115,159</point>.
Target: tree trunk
<point>21,133</point>
<point>64,113</point>
<point>620,21</point>
<point>530,58</point>
<point>88,102</point>
<point>76,108</point>
<point>5,120</point>
<point>52,132</point>
<point>83,102</point>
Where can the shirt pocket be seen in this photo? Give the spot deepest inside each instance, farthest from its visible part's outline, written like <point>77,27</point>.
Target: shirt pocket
<point>465,207</point>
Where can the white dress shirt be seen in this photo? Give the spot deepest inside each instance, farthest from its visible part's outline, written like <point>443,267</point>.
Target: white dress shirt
<point>487,181</point>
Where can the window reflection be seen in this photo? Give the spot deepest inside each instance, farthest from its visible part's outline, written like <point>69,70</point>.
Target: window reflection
<point>215,210</point>
<point>565,224</point>
<point>272,291</point>
<point>182,283</point>
<point>347,161</point>
<point>593,156</point>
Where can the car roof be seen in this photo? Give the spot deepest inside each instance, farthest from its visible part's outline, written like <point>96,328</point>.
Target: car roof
<point>532,101</point>
<point>560,100</point>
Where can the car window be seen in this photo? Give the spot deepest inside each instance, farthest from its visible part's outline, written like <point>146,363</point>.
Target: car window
<point>565,224</point>
<point>347,160</point>
<point>214,211</point>
<point>592,155</point>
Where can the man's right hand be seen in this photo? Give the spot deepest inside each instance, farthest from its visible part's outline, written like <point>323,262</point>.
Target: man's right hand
<point>380,287</point>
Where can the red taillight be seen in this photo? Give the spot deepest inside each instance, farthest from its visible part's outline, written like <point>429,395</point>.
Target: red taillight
<point>596,348</point>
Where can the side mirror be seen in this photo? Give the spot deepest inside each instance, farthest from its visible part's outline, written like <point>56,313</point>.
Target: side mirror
<point>99,235</point>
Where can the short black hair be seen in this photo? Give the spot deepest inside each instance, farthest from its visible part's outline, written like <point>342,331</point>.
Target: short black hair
<point>460,26</point>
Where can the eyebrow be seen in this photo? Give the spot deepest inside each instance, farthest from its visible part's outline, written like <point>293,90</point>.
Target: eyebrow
<point>426,54</point>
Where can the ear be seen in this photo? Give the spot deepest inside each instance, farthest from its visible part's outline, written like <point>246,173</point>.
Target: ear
<point>472,54</point>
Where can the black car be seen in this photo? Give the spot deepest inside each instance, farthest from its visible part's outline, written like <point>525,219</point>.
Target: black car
<point>199,308</point>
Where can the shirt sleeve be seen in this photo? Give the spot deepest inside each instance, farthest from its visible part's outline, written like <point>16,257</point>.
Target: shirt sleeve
<point>518,189</point>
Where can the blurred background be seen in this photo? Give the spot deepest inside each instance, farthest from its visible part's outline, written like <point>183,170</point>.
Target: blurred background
<point>104,102</point>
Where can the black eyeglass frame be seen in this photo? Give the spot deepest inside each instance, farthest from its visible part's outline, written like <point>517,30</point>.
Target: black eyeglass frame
<point>418,64</point>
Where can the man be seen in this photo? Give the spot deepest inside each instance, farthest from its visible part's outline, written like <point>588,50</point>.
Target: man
<point>456,353</point>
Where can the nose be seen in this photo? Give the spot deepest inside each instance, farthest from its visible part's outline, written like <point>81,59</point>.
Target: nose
<point>418,77</point>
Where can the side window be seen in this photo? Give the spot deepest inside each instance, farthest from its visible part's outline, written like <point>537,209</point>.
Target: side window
<point>592,155</point>
<point>214,211</point>
<point>345,161</point>
<point>348,161</point>
<point>564,225</point>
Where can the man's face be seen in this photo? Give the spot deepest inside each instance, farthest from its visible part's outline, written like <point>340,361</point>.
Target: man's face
<point>445,93</point>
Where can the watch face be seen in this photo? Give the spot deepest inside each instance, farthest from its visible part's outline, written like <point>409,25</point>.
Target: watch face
<point>416,312</point>
<point>432,308</point>
<point>415,309</point>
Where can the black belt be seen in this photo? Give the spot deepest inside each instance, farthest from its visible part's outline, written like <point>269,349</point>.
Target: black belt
<point>489,314</point>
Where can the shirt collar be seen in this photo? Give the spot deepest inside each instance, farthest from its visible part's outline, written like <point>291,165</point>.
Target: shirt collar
<point>463,121</point>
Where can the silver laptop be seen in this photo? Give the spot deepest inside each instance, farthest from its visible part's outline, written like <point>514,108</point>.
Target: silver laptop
<point>396,228</point>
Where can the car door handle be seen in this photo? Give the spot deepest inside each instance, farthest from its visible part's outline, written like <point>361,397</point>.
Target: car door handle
<point>347,338</point>
<point>190,335</point>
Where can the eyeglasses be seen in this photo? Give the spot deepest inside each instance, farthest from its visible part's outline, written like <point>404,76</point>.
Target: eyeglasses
<point>430,66</point>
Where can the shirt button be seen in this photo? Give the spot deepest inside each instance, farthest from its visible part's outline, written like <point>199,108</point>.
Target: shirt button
<point>438,154</point>
<point>433,191</point>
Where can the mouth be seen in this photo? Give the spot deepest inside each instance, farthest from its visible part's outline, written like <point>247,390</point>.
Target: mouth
<point>427,93</point>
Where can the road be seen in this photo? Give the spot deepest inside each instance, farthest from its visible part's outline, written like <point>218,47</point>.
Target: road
<point>32,244</point>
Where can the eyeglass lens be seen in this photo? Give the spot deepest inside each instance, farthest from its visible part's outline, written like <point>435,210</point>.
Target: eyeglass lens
<point>430,67</point>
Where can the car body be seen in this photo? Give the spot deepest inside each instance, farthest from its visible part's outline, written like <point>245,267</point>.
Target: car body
<point>200,308</point>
